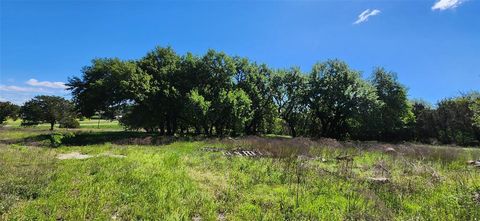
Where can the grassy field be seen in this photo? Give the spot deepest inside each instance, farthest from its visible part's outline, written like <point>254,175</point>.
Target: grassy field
<point>183,179</point>
<point>93,124</point>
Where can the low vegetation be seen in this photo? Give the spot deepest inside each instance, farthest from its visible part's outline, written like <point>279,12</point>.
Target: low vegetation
<point>214,179</point>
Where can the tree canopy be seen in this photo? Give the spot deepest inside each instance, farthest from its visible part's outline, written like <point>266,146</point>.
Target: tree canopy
<point>217,94</point>
<point>48,109</point>
<point>8,110</point>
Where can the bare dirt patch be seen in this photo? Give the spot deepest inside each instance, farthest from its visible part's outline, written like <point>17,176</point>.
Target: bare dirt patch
<point>80,156</point>
<point>73,155</point>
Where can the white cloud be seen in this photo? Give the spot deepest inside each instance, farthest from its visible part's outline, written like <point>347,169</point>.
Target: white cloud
<point>446,4</point>
<point>13,88</point>
<point>363,17</point>
<point>36,83</point>
<point>20,94</point>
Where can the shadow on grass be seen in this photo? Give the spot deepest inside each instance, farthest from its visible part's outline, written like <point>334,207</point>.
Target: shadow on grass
<point>84,138</point>
<point>117,137</point>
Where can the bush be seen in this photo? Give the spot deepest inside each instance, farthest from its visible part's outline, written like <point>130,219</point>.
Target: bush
<point>56,139</point>
<point>69,123</point>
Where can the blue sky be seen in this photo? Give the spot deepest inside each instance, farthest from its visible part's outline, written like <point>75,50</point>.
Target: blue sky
<point>433,45</point>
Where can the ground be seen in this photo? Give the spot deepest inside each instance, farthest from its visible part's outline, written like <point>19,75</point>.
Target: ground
<point>136,176</point>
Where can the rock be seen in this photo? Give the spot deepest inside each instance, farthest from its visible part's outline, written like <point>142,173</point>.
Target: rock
<point>390,150</point>
<point>471,162</point>
<point>476,197</point>
<point>380,180</point>
<point>474,162</point>
<point>221,217</point>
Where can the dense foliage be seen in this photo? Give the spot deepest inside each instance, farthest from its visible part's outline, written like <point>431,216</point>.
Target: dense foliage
<point>454,120</point>
<point>216,94</point>
<point>49,109</point>
<point>8,110</point>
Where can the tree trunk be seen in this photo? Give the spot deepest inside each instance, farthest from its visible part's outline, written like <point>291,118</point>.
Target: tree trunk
<point>292,129</point>
<point>52,124</point>
<point>197,130</point>
<point>169,127</point>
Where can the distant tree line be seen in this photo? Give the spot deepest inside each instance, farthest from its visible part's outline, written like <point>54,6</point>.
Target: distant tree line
<point>217,95</point>
<point>8,110</point>
<point>42,109</point>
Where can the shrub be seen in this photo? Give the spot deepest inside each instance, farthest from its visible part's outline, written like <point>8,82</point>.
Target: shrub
<point>57,139</point>
<point>69,123</point>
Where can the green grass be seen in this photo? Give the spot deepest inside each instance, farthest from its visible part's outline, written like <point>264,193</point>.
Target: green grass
<point>180,181</point>
<point>93,124</point>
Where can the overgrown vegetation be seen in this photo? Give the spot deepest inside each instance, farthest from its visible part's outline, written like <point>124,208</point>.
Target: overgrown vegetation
<point>295,179</point>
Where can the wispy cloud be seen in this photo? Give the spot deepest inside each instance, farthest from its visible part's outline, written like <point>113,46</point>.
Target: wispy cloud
<point>13,88</point>
<point>49,84</point>
<point>363,17</point>
<point>21,93</point>
<point>446,4</point>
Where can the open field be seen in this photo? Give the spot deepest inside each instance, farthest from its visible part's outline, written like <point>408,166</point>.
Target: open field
<point>93,124</point>
<point>123,176</point>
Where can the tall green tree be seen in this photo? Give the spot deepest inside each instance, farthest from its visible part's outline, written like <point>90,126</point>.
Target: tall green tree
<point>255,81</point>
<point>395,114</point>
<point>288,90</point>
<point>162,65</point>
<point>108,84</point>
<point>475,108</point>
<point>47,109</point>
<point>424,127</point>
<point>8,110</point>
<point>240,110</point>
<point>197,111</point>
<point>339,99</point>
<point>216,71</point>
<point>455,120</point>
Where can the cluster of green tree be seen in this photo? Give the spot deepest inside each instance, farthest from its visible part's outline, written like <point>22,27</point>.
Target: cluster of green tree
<point>454,120</point>
<point>216,94</point>
<point>8,110</point>
<point>42,109</point>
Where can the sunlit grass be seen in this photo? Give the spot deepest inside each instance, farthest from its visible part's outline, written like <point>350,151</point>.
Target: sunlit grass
<point>94,124</point>
<point>181,181</point>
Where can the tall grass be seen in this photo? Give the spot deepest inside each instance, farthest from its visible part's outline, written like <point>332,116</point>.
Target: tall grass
<point>295,179</point>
